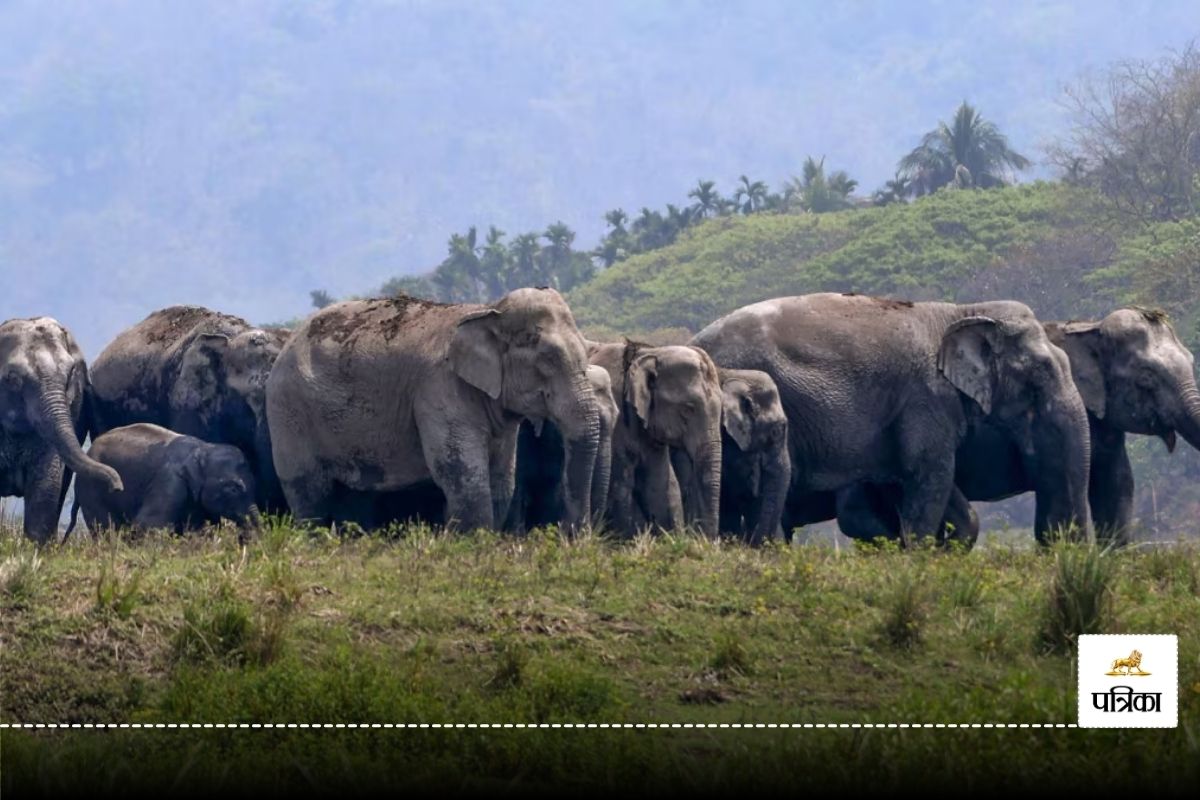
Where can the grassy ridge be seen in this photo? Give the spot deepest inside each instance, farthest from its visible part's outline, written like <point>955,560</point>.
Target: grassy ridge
<point>436,628</point>
<point>923,250</point>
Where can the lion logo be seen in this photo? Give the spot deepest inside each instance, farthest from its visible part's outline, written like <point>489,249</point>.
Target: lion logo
<point>1126,666</point>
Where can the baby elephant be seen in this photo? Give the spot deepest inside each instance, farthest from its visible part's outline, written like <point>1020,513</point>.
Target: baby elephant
<point>171,481</point>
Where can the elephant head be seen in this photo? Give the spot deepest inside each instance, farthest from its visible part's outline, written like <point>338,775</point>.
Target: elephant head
<point>675,394</point>
<point>1022,383</point>
<point>222,381</point>
<point>1134,374</point>
<point>525,353</point>
<point>219,478</point>
<point>753,418</point>
<point>43,388</point>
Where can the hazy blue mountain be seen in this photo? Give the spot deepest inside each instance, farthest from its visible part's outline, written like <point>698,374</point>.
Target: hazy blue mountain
<point>238,154</point>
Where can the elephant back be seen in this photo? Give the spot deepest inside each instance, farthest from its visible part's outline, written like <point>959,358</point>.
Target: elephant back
<point>134,378</point>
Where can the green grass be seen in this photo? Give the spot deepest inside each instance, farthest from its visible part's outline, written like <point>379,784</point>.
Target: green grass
<point>425,628</point>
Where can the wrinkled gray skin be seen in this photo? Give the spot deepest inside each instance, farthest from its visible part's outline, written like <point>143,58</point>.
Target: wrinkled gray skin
<point>197,372</point>
<point>43,420</point>
<point>884,392</point>
<point>171,481</point>
<point>539,498</point>
<point>756,471</point>
<point>375,396</point>
<point>670,397</point>
<point>1134,376</point>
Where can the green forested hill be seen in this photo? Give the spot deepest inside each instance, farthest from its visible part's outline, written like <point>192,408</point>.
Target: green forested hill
<point>952,245</point>
<point>1048,245</point>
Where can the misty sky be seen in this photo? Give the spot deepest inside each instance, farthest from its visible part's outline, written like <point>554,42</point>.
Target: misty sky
<point>238,154</point>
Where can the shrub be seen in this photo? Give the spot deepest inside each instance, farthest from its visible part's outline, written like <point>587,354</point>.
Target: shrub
<point>1080,595</point>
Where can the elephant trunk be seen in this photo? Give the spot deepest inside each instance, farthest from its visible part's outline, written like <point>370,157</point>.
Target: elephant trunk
<point>580,424</point>
<point>1063,445</point>
<point>55,424</point>
<point>1189,425</point>
<point>774,483</point>
<point>602,474</point>
<point>250,526</point>
<point>708,476</point>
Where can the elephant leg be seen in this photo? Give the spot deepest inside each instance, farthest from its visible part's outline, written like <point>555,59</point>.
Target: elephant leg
<point>660,491</point>
<point>620,496</point>
<point>311,497</point>
<point>805,508</point>
<point>42,506</point>
<point>458,462</point>
<point>1110,492</point>
<point>502,473</point>
<point>961,523</point>
<point>925,495</point>
<point>868,511</point>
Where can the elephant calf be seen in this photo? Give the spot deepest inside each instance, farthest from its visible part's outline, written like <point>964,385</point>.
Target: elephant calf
<point>171,481</point>
<point>756,469</point>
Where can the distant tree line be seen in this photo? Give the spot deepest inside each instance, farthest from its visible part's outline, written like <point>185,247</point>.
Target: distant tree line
<point>1135,140</point>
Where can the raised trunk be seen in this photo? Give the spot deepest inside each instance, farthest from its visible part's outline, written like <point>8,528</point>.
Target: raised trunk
<point>773,487</point>
<point>56,425</point>
<point>580,425</point>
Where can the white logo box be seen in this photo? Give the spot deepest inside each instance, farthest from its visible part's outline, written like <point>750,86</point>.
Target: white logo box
<point>1132,700</point>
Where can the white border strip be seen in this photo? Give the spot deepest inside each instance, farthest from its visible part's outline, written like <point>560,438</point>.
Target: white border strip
<point>640,725</point>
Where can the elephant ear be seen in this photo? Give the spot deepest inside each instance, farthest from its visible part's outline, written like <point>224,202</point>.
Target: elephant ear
<point>475,352</point>
<point>193,472</point>
<point>639,386</point>
<point>736,416</point>
<point>1082,342</point>
<point>967,358</point>
<point>198,384</point>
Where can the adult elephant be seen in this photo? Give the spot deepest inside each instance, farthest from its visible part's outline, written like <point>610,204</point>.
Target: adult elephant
<point>44,409</point>
<point>1134,376</point>
<point>670,397</point>
<point>884,391</point>
<point>197,372</point>
<point>539,498</point>
<point>376,396</point>
<point>756,470</point>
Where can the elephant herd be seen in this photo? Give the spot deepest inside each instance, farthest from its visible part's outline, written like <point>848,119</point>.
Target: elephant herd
<point>889,416</point>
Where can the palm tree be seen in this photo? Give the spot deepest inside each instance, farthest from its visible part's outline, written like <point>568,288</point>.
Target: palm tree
<point>750,195</point>
<point>458,277</point>
<point>708,200</point>
<point>893,191</point>
<point>616,219</point>
<point>525,249</point>
<point>557,257</point>
<point>819,193</point>
<point>968,141</point>
<point>494,263</point>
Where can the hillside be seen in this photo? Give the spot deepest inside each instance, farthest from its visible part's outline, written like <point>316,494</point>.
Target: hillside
<point>952,245</point>
<point>1045,244</point>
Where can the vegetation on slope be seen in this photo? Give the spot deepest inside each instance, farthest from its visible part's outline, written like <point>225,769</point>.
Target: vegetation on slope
<point>938,247</point>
